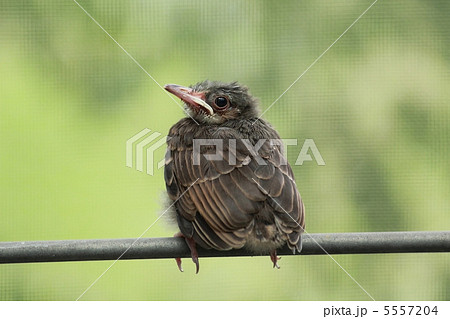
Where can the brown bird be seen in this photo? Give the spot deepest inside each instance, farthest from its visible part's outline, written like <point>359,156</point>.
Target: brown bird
<point>237,191</point>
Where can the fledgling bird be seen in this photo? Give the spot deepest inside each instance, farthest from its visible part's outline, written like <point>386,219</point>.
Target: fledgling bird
<point>238,193</point>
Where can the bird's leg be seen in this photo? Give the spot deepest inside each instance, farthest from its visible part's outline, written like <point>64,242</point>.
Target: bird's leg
<point>194,254</point>
<point>178,259</point>
<point>274,258</point>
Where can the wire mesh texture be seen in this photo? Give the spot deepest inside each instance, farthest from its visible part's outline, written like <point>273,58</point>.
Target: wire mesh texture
<point>375,102</point>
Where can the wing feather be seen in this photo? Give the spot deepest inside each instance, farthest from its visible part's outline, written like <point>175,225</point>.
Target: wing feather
<point>227,195</point>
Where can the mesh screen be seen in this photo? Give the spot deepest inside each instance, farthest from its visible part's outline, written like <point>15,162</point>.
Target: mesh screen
<point>376,105</point>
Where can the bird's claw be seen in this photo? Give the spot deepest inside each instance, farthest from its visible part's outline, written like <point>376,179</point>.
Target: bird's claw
<point>178,260</point>
<point>274,258</point>
<point>194,254</point>
<point>197,265</point>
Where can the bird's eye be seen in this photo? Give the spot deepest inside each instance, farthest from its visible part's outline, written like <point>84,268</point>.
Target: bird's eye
<point>221,102</point>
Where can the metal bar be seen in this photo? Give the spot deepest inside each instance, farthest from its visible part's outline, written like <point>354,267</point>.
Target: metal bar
<point>156,248</point>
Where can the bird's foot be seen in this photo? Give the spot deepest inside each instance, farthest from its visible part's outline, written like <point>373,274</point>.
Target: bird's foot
<point>178,260</point>
<point>194,254</point>
<point>274,258</point>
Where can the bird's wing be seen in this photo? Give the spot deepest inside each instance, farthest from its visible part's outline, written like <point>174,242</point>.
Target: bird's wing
<point>221,197</point>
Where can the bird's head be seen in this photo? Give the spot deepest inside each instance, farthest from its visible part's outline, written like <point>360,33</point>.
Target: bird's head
<point>216,102</point>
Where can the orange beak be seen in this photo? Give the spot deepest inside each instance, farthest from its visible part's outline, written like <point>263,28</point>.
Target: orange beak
<point>196,100</point>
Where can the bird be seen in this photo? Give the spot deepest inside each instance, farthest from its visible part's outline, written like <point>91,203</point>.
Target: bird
<point>239,191</point>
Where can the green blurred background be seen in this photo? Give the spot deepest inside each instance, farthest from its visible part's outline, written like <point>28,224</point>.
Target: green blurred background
<point>376,105</point>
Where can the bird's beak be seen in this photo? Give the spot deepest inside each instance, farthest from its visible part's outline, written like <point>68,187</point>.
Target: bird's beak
<point>188,95</point>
